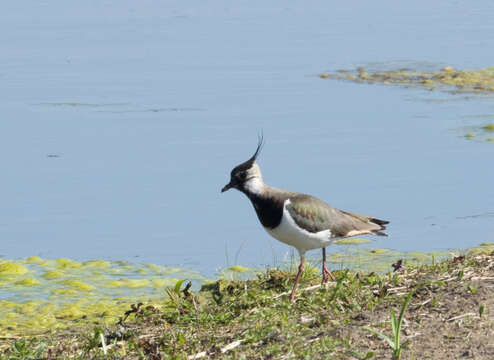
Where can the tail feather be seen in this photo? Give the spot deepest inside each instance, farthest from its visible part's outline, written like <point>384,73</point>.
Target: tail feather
<point>358,224</point>
<point>382,224</point>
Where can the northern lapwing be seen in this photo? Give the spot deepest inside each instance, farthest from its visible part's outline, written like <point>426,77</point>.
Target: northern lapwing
<point>299,220</point>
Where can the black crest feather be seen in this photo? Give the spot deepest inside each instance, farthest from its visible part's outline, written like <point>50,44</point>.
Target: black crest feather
<point>260,144</point>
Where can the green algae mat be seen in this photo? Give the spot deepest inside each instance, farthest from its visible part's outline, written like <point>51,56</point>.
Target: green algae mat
<point>37,294</point>
<point>447,79</point>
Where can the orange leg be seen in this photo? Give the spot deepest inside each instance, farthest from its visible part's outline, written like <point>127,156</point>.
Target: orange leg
<point>325,270</point>
<point>300,270</point>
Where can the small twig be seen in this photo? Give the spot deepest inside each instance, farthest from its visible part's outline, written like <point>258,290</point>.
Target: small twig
<point>397,288</point>
<point>223,350</point>
<point>461,316</point>
<point>8,337</point>
<point>103,344</point>
<point>418,306</point>
<point>482,278</point>
<point>253,310</point>
<point>194,303</point>
<point>426,302</point>
<point>231,346</point>
<point>413,336</point>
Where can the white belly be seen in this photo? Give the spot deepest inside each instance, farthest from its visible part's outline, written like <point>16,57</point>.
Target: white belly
<point>289,233</point>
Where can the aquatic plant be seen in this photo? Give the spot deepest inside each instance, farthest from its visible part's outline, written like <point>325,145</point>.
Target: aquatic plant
<point>11,268</point>
<point>446,79</point>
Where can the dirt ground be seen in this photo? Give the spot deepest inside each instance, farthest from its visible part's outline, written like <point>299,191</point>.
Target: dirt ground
<point>453,319</point>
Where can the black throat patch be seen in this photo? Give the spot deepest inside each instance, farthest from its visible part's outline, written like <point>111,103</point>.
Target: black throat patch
<point>269,209</point>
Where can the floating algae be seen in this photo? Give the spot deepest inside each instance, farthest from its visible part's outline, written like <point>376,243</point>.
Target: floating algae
<point>485,247</point>
<point>238,272</point>
<point>163,282</point>
<point>62,292</point>
<point>488,244</point>
<point>379,251</point>
<point>354,241</point>
<point>136,283</point>
<point>238,268</point>
<point>33,259</point>
<point>78,285</point>
<point>480,133</point>
<point>11,268</point>
<point>69,311</point>
<point>38,294</point>
<point>52,274</point>
<point>68,264</point>
<point>417,256</point>
<point>97,264</point>
<point>28,282</point>
<point>378,260</point>
<point>115,284</point>
<point>446,79</point>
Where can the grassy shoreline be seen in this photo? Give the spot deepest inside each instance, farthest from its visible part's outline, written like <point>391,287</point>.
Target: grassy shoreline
<point>450,315</point>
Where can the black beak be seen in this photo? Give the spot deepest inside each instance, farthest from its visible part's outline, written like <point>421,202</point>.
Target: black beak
<point>227,187</point>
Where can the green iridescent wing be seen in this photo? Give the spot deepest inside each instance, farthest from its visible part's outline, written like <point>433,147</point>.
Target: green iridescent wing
<point>315,215</point>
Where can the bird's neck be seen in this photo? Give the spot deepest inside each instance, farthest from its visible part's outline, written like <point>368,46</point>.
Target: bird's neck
<point>254,187</point>
<point>267,201</point>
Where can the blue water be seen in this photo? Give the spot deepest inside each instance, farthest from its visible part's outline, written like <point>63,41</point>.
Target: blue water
<point>120,122</point>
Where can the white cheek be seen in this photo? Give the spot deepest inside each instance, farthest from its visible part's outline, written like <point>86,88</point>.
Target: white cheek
<point>254,185</point>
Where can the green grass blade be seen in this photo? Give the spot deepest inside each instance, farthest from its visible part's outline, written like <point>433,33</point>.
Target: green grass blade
<point>404,307</point>
<point>178,285</point>
<point>381,336</point>
<point>402,314</point>
<point>394,326</point>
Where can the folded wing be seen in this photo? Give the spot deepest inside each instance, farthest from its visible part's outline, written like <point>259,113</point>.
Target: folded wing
<point>315,215</point>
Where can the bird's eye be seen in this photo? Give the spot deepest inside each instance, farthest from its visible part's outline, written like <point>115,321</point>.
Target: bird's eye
<point>241,175</point>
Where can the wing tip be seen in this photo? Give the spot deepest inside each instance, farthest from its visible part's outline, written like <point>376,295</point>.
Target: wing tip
<point>382,224</point>
<point>379,221</point>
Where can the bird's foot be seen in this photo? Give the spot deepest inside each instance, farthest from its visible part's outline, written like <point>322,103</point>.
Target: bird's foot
<point>325,273</point>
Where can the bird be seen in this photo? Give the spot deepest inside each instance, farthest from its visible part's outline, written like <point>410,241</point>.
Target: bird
<point>296,219</point>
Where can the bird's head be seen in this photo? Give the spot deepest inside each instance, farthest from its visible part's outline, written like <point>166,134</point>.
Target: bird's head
<point>247,177</point>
